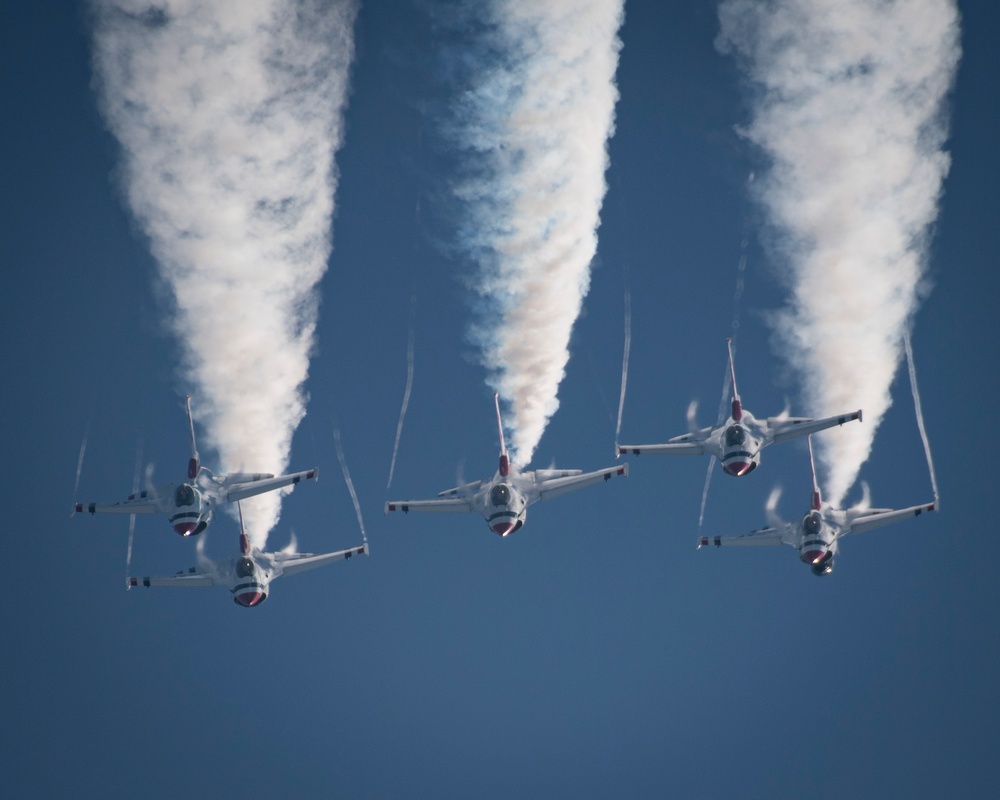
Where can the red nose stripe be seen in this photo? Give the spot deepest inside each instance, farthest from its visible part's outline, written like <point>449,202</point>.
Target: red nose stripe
<point>185,528</point>
<point>503,528</point>
<point>813,556</point>
<point>737,468</point>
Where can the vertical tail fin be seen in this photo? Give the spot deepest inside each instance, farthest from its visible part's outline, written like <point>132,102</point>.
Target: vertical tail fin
<point>194,463</point>
<point>817,499</point>
<point>504,458</point>
<point>244,539</point>
<point>737,407</point>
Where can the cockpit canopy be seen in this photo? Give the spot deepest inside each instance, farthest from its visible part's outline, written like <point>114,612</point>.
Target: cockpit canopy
<point>735,435</point>
<point>185,495</point>
<point>500,495</point>
<point>245,568</point>
<point>812,523</point>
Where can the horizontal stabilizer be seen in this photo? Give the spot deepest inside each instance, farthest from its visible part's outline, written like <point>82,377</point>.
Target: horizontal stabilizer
<point>464,489</point>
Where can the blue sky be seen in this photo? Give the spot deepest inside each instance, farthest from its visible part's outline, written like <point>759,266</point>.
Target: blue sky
<point>594,653</point>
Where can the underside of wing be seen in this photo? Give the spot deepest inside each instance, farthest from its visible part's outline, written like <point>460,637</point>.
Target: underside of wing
<point>762,537</point>
<point>291,563</point>
<point>553,487</point>
<point>235,488</point>
<point>869,521</point>
<point>139,503</point>
<point>191,578</point>
<point>785,429</point>
<point>445,505</point>
<point>668,449</point>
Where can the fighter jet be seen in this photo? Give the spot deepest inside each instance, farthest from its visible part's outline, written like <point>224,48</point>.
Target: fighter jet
<point>818,535</point>
<point>738,441</point>
<point>248,576</point>
<point>503,500</point>
<point>189,505</point>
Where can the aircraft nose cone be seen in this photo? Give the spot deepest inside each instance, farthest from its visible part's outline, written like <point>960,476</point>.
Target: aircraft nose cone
<point>737,468</point>
<point>185,528</point>
<point>502,528</point>
<point>813,556</point>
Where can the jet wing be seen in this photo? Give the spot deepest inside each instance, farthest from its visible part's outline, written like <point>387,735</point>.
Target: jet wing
<point>242,489</point>
<point>292,563</point>
<point>762,537</point>
<point>442,505</point>
<point>688,444</point>
<point>554,487</point>
<point>140,503</point>
<point>188,578</point>
<point>878,519</point>
<point>787,428</point>
<point>669,449</point>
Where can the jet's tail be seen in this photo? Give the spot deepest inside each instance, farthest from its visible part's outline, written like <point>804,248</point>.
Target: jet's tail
<point>244,539</point>
<point>817,499</point>
<point>737,407</point>
<point>194,464</point>
<point>504,458</point>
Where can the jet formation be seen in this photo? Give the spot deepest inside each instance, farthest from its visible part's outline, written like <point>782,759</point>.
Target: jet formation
<point>503,501</point>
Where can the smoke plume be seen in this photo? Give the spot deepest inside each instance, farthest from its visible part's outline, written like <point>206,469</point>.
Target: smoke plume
<point>849,110</point>
<point>535,125</point>
<point>229,115</point>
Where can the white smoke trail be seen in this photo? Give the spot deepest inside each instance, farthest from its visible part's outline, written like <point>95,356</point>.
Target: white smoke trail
<point>349,482</point>
<point>536,123</point>
<point>229,115</point>
<point>625,357</point>
<point>920,416</point>
<point>406,392</point>
<point>851,118</point>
